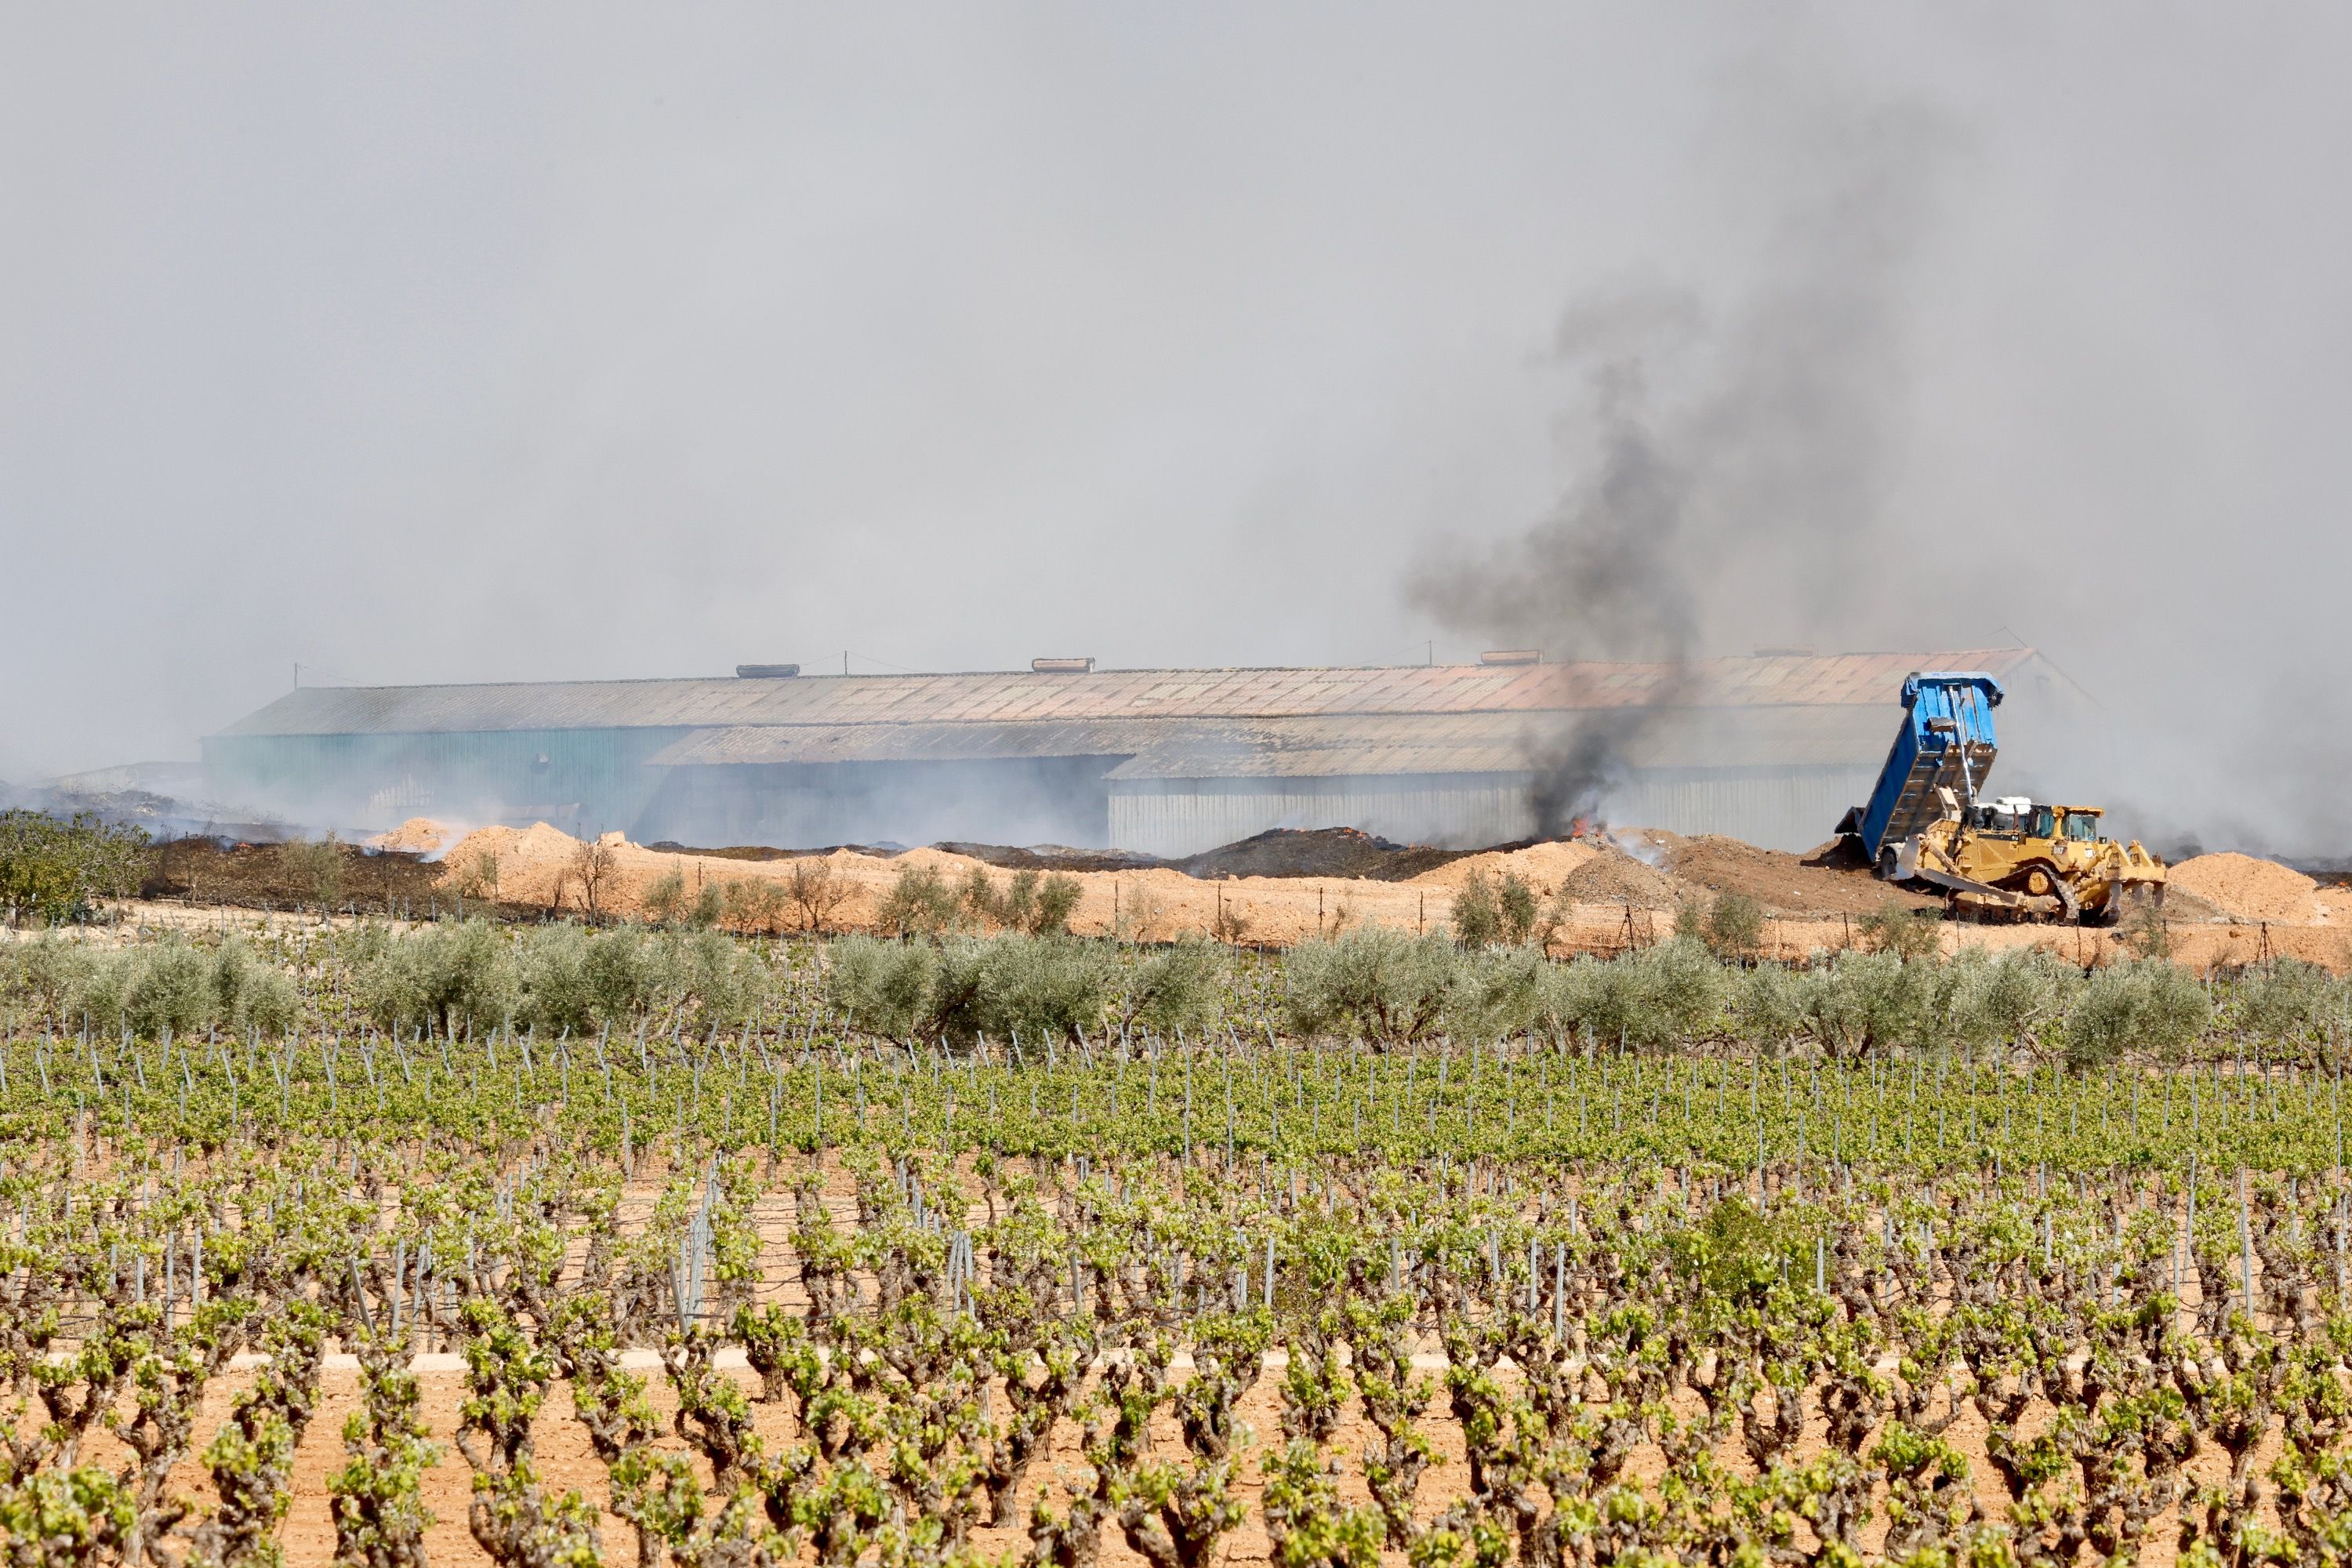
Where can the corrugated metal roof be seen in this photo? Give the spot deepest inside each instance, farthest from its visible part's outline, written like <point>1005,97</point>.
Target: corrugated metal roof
<point>1323,747</point>
<point>1826,735</point>
<point>768,744</point>
<point>1015,697</point>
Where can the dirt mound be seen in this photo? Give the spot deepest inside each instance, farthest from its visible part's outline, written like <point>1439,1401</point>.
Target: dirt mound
<point>1050,856</point>
<point>2182,907</point>
<point>1784,884</point>
<point>1839,854</point>
<point>2245,889</point>
<point>417,835</point>
<point>1319,852</point>
<point>1613,876</point>
<point>1542,866</point>
<point>729,852</point>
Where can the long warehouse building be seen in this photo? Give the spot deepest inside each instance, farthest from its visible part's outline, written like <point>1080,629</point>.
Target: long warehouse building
<point>1770,748</point>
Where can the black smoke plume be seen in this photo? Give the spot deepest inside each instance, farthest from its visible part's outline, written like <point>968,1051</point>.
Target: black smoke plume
<point>1729,464</point>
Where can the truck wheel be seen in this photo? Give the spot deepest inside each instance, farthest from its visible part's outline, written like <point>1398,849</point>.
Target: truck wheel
<point>1886,865</point>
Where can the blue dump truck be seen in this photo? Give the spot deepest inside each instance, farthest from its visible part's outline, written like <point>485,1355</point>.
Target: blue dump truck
<point>1946,742</point>
<point>1928,822</point>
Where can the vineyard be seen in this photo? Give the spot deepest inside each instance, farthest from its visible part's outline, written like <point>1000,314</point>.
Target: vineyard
<point>542,1246</point>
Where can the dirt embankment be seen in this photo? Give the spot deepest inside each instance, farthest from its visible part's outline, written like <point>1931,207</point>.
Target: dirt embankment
<point>293,876</point>
<point>1609,900</point>
<point>2241,887</point>
<point>1319,852</point>
<point>1822,883</point>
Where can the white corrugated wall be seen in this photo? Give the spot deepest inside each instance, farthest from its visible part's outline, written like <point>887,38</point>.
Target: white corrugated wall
<point>1774,808</point>
<point>1777,809</point>
<point>1185,816</point>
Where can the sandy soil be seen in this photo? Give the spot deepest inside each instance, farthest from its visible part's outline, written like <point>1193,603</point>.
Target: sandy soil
<point>567,1463</point>
<point>2242,887</point>
<point>1615,900</point>
<point>420,834</point>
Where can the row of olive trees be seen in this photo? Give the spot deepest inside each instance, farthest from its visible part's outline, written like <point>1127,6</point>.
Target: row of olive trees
<point>555,978</point>
<point>1391,986</point>
<point>1372,982</point>
<point>148,987</point>
<point>1030,989</point>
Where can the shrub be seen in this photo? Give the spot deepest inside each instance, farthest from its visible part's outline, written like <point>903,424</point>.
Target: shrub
<point>53,870</point>
<point>171,988</point>
<point>1373,981</point>
<point>100,989</point>
<point>919,903</point>
<point>1178,987</point>
<point>315,868</point>
<point>1865,1002</point>
<point>1734,928</point>
<point>2006,1000</point>
<point>1495,993</point>
<point>251,993</point>
<point>753,903</point>
<point>2289,1002</point>
<point>2145,931</point>
<point>452,975</point>
<point>1487,911</point>
<point>1519,908</point>
<point>2149,1003</point>
<point>816,890</point>
<point>1033,988</point>
<point>592,867</point>
<point>981,899</point>
<point>1039,906</point>
<point>1649,998</point>
<point>476,876</point>
<point>167,984</point>
<point>269,1003</point>
<point>623,971</point>
<point>707,977</point>
<point>1057,901</point>
<point>882,986</point>
<point>1231,923</point>
<point>1766,1004</point>
<point>1904,932</point>
<point>665,900</point>
<point>1040,988</point>
<point>552,978</point>
<point>1684,987</point>
<point>48,969</point>
<point>1477,912</point>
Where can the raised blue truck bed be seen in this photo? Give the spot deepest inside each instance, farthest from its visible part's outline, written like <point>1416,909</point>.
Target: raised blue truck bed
<point>1945,742</point>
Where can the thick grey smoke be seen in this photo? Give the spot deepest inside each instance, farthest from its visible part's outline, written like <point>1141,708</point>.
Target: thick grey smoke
<point>440,343</point>
<point>1730,462</point>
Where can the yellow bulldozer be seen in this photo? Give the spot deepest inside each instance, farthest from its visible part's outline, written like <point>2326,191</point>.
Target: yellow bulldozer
<point>1926,823</point>
<point>2040,860</point>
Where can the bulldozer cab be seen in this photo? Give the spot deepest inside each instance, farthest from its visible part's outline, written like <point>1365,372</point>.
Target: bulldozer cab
<point>2009,816</point>
<point>2078,823</point>
<point>2014,816</point>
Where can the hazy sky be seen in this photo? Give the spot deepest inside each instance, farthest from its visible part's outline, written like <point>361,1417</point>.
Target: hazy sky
<point>524,342</point>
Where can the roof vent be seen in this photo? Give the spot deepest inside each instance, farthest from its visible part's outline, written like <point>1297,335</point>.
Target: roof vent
<point>1512,656</point>
<point>766,671</point>
<point>1062,666</point>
